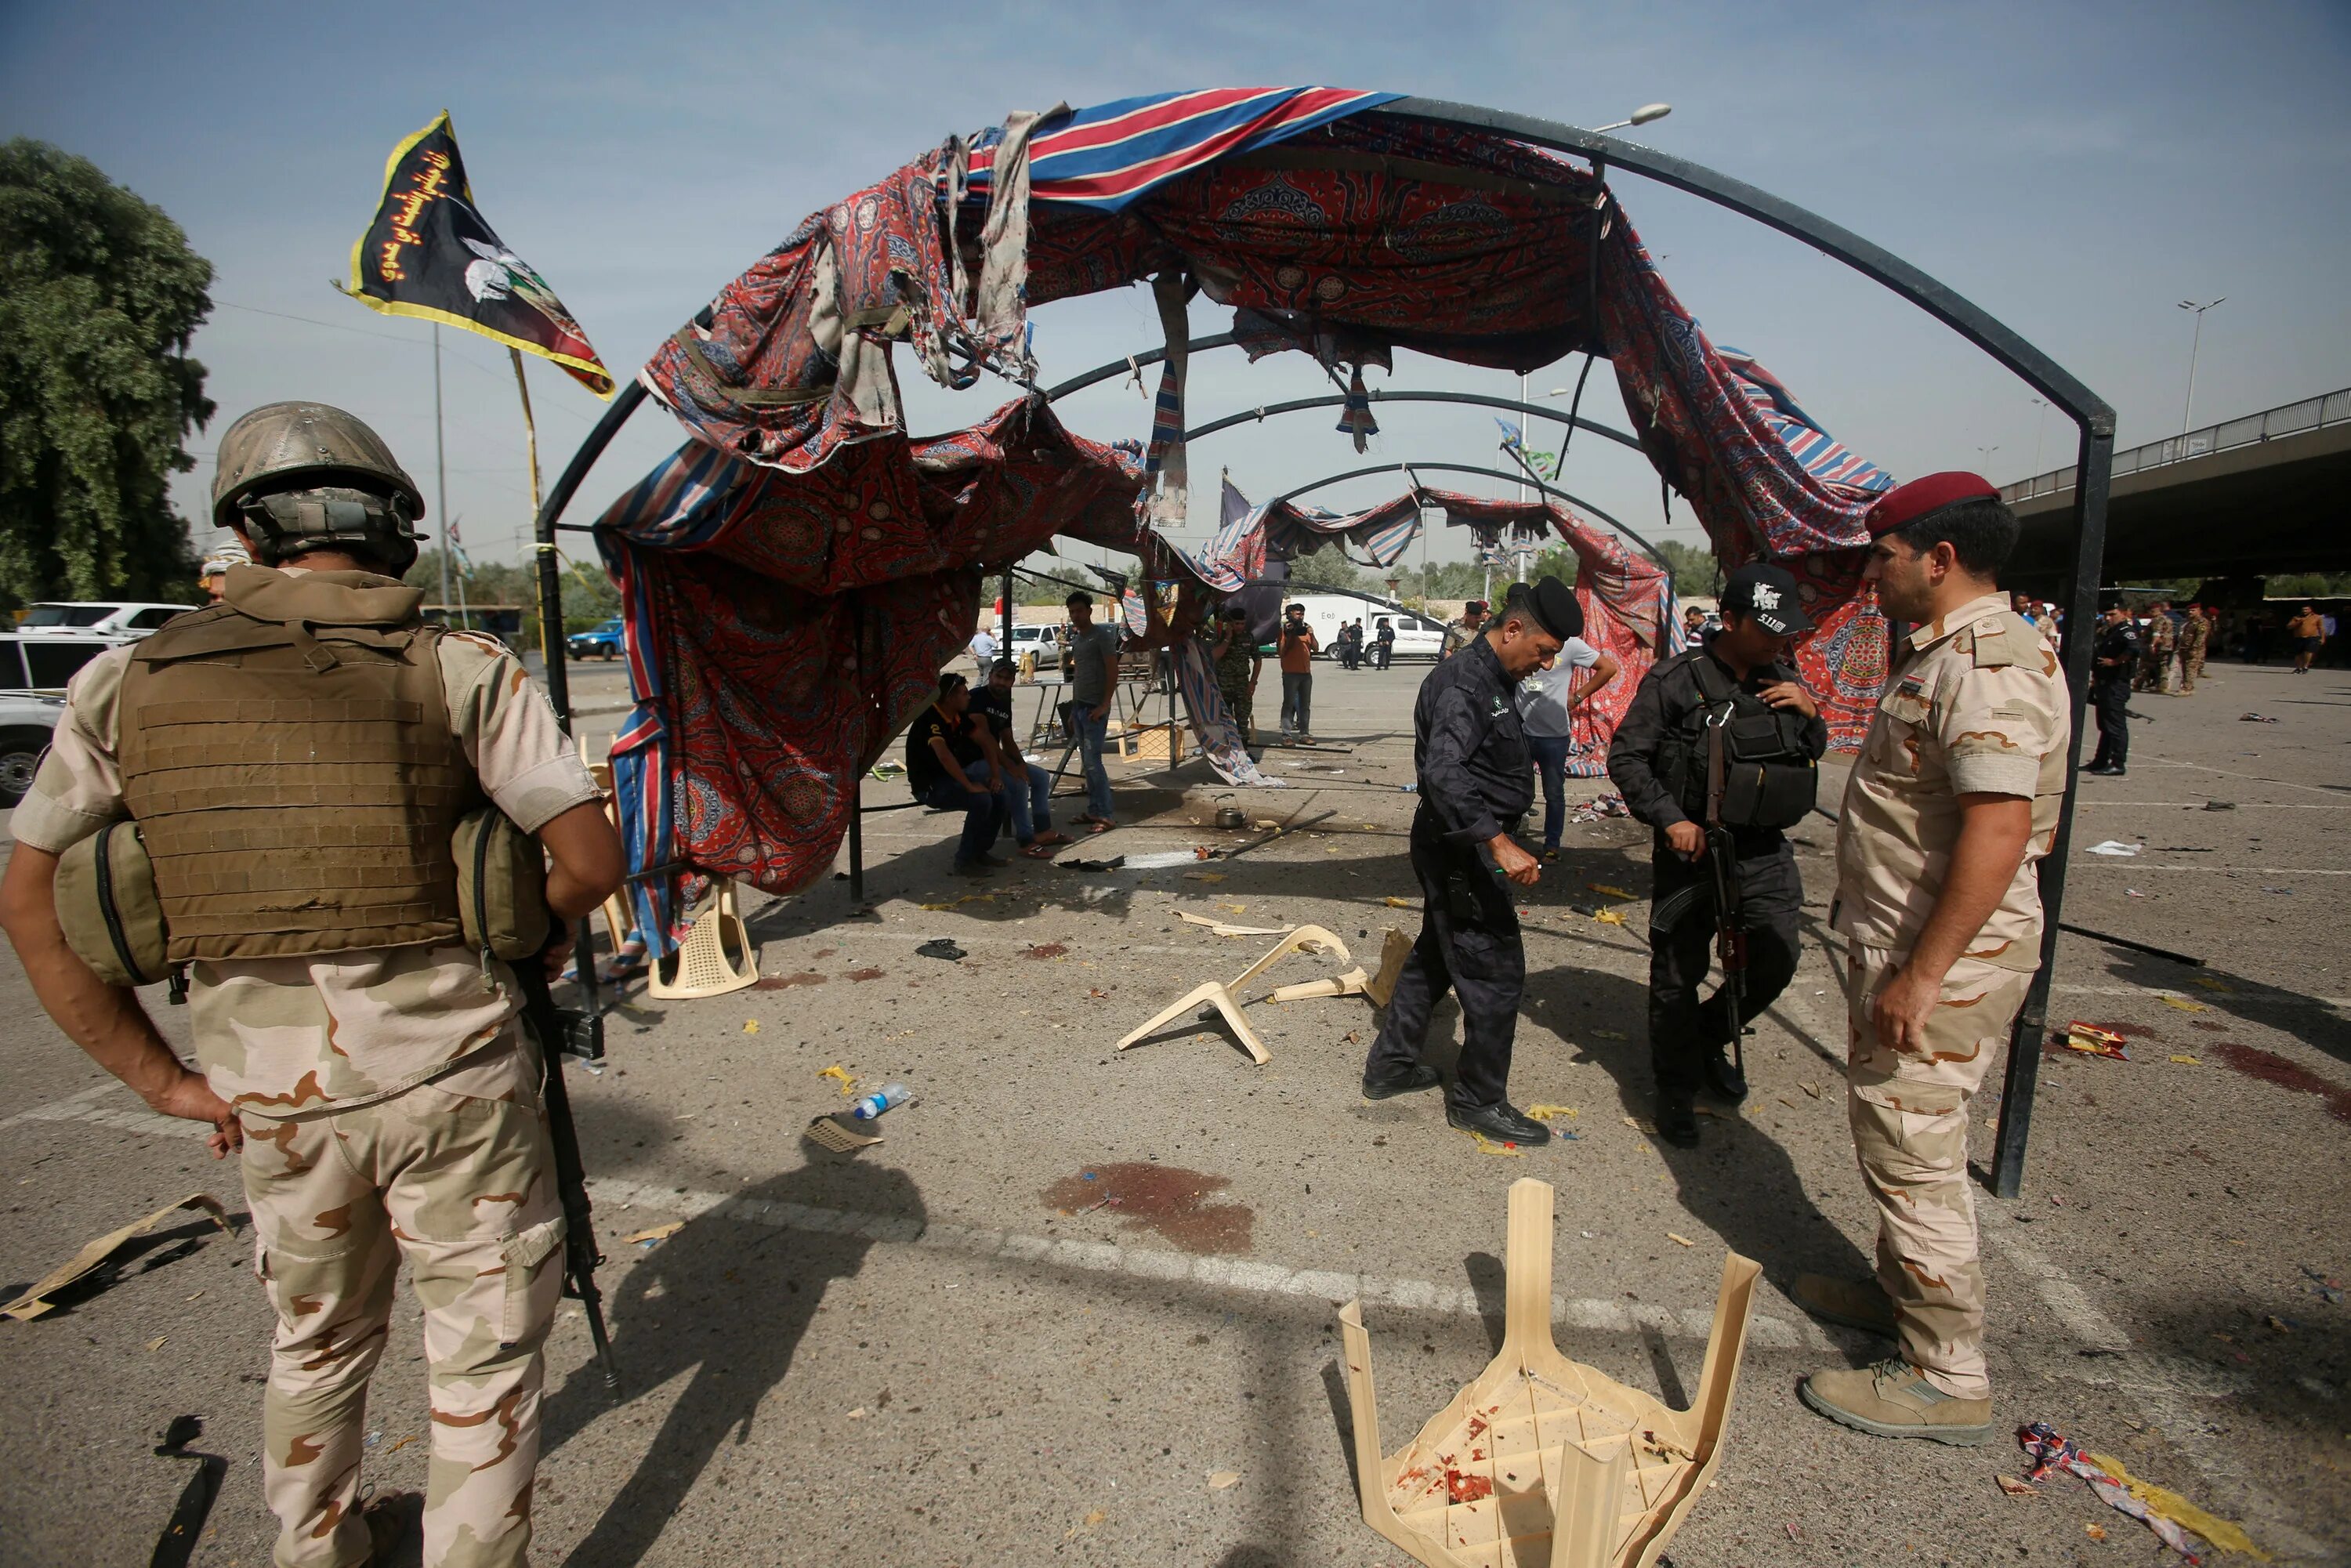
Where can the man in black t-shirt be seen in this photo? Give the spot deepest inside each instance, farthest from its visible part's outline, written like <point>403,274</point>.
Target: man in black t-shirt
<point>1027,789</point>
<point>947,767</point>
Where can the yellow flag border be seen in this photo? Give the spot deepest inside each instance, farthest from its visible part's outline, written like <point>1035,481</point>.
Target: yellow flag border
<point>427,312</point>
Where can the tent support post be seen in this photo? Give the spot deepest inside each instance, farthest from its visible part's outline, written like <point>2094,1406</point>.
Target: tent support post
<point>2024,1042</point>
<point>550,580</point>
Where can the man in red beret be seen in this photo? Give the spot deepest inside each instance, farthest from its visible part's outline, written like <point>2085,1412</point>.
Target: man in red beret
<point>1951,802</point>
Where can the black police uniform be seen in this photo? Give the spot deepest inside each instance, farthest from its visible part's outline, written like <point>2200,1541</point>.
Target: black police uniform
<point>2112,658</point>
<point>1658,761</point>
<point>1475,775</point>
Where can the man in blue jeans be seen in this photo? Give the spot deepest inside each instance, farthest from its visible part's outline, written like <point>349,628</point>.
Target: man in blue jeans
<point>945,766</point>
<point>1093,680</point>
<point>1027,789</point>
<point>1547,701</point>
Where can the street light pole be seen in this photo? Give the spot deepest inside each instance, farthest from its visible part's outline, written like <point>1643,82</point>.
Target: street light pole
<point>2195,341</point>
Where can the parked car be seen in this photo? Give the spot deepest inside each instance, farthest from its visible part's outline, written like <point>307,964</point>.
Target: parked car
<point>45,660</point>
<point>103,618</point>
<point>596,642</point>
<point>26,722</point>
<point>1040,640</point>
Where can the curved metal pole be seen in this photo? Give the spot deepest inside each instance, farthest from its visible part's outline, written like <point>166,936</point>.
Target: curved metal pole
<point>1647,548</point>
<point>550,580</point>
<point>1104,372</point>
<point>1337,400</point>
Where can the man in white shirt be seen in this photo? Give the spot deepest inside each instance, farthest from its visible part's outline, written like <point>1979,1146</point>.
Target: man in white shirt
<point>983,649</point>
<point>1547,701</point>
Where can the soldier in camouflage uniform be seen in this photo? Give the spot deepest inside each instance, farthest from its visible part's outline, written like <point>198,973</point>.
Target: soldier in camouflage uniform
<point>2195,635</point>
<point>1237,664</point>
<point>1951,802</point>
<point>370,1066</point>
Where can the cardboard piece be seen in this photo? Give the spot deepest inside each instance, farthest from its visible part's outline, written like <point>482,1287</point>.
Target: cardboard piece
<point>1543,1462</point>
<point>840,1135</point>
<point>701,967</point>
<point>1222,997</point>
<point>34,1301</point>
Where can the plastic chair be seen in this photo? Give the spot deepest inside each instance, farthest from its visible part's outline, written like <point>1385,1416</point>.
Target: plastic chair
<point>702,968</point>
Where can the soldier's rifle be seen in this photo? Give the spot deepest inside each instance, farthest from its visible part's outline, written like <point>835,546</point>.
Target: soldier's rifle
<point>561,1031</point>
<point>1722,858</point>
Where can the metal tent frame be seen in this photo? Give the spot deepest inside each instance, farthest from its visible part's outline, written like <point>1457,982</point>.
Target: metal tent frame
<point>2092,417</point>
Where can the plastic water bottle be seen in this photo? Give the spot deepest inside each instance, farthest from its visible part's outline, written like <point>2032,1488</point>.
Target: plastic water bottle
<point>866,1107</point>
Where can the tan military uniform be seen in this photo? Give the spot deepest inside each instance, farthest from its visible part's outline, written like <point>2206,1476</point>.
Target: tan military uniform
<point>389,1103</point>
<point>2195,635</point>
<point>1978,706</point>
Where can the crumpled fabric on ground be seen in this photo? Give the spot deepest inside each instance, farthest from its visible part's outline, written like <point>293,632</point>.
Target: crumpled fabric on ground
<point>2163,1511</point>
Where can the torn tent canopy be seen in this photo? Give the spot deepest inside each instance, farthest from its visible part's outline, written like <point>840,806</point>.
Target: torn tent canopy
<point>782,627</point>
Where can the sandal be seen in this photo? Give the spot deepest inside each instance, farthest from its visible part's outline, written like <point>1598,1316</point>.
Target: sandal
<point>1035,850</point>
<point>1051,837</point>
<point>1098,824</point>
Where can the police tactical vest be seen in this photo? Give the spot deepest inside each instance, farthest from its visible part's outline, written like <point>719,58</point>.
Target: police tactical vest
<point>1770,778</point>
<point>288,758</point>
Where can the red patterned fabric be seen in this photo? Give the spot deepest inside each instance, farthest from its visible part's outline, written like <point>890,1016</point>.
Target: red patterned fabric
<point>784,619</point>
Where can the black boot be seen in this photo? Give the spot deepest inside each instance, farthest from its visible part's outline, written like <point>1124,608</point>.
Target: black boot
<point>1420,1076</point>
<point>1501,1122</point>
<point>1677,1118</point>
<point>1723,1076</point>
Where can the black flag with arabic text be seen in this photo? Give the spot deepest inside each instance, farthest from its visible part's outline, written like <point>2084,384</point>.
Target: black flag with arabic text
<point>430,254</point>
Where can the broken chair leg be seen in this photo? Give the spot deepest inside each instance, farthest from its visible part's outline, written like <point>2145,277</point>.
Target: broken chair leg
<point>1211,993</point>
<point>1394,948</point>
<point>1351,984</point>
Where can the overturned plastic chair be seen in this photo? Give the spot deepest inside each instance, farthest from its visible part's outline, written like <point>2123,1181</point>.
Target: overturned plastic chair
<point>1543,1462</point>
<point>1217,994</point>
<point>700,965</point>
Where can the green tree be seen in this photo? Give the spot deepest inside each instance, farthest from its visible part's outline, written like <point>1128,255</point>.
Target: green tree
<point>589,596</point>
<point>1695,569</point>
<point>98,296</point>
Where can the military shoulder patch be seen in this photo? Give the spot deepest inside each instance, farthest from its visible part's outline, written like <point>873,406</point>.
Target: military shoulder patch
<point>2003,639</point>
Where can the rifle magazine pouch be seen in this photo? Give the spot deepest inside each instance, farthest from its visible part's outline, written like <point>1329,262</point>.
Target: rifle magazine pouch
<point>501,886</point>
<point>107,902</point>
<point>1774,794</point>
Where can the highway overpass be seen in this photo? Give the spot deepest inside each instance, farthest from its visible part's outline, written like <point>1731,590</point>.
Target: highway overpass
<point>2266,494</point>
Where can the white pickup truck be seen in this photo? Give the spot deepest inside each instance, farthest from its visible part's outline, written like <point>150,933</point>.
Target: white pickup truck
<point>27,720</point>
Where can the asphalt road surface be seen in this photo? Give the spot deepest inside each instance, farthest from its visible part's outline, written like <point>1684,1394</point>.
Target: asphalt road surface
<point>945,1350</point>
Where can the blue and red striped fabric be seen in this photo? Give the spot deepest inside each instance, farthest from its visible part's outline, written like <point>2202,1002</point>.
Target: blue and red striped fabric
<point>1107,155</point>
<point>1824,456</point>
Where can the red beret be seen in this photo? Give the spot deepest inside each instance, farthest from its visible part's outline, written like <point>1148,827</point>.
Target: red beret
<point>1905,503</point>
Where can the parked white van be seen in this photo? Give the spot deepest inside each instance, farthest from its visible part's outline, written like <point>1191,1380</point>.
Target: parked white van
<point>1418,636</point>
<point>96,618</point>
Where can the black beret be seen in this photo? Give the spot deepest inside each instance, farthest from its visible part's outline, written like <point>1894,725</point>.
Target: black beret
<point>1552,605</point>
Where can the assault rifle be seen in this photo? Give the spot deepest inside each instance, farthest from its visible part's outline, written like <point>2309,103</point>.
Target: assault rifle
<point>561,1031</point>
<point>1722,857</point>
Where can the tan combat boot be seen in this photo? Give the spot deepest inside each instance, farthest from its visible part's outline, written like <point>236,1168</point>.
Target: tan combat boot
<point>1893,1399</point>
<point>1856,1303</point>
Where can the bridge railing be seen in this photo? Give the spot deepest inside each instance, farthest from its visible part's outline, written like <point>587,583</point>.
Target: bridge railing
<point>2289,419</point>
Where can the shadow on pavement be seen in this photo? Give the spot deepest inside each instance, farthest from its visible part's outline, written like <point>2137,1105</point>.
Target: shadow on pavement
<point>726,1304</point>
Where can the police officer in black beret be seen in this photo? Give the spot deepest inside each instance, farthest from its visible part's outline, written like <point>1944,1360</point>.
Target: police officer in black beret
<point>1742,682</point>
<point>1474,777</point>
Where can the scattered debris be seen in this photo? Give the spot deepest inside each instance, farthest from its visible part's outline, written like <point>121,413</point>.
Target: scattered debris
<point>1074,863</point>
<point>1677,1238</point>
<point>2210,984</point>
<point>1608,917</point>
<point>156,1343</point>
<point>2013,1487</point>
<point>940,947</point>
<point>1221,929</point>
<point>1395,902</point>
<point>1546,1113</point>
<point>1219,1481</point>
<point>1160,860</point>
<point>2115,847</point>
<point>653,1234</point>
<point>750,1026</point>
<point>2091,1040</point>
<point>1045,950</point>
<point>2219,805</point>
<point>1487,1145</point>
<point>832,1133</point>
<point>36,1301</point>
<point>2188,1060</point>
<point>1610,892</point>
<point>1204,876</point>
<point>2184,1005</point>
<point>2163,1511</point>
<point>1810,1088</point>
<point>2255,718</point>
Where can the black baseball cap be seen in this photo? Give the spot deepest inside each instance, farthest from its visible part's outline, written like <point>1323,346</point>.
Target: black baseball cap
<point>1768,595</point>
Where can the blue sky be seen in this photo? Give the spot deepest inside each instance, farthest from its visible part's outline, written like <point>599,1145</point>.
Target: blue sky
<point>2076,170</point>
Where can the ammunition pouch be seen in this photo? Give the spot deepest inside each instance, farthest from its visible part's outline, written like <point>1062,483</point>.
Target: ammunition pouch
<point>1766,783</point>
<point>108,906</point>
<point>501,886</point>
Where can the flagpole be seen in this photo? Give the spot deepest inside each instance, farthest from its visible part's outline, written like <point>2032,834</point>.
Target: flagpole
<point>440,471</point>
<point>531,446</point>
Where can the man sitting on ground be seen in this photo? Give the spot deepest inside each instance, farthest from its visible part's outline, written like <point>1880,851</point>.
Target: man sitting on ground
<point>1026,789</point>
<point>945,766</point>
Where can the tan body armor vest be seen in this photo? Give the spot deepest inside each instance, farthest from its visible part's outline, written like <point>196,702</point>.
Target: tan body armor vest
<point>288,758</point>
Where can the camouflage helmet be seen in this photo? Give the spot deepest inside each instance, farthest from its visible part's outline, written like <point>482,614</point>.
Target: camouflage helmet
<point>298,476</point>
